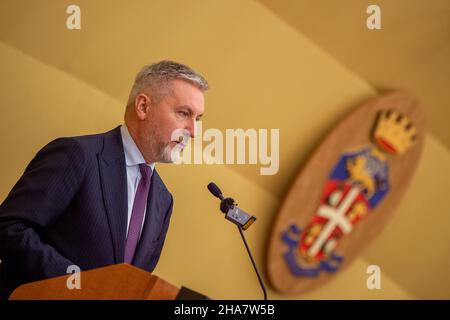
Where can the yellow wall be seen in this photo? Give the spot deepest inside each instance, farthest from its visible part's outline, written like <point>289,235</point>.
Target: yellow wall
<point>264,74</point>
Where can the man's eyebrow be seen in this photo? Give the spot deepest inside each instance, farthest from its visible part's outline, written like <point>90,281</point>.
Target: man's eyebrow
<point>186,107</point>
<point>190,111</point>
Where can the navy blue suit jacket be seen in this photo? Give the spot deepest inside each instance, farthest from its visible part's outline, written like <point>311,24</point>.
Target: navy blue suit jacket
<point>70,208</point>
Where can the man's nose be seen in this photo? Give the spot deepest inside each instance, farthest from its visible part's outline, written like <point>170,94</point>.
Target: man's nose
<point>192,128</point>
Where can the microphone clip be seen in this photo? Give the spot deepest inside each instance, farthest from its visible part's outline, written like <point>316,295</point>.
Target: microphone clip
<point>234,214</point>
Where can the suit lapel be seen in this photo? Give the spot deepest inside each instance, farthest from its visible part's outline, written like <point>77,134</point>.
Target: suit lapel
<point>113,178</point>
<point>154,220</point>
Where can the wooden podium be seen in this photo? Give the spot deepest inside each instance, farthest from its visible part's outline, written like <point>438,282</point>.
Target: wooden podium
<point>116,282</point>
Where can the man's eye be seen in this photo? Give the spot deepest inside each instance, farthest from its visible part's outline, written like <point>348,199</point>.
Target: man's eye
<point>183,113</point>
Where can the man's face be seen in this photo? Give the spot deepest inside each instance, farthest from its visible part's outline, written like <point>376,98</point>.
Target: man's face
<point>170,123</point>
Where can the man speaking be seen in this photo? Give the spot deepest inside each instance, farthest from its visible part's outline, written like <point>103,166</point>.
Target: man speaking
<point>98,200</point>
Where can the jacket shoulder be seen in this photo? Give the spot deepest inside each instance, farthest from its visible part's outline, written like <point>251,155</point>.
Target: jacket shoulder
<point>90,142</point>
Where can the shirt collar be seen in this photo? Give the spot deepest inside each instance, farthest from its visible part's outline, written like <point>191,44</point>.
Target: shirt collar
<point>133,155</point>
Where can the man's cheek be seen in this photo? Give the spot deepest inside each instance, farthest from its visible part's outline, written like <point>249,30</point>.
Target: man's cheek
<point>175,134</point>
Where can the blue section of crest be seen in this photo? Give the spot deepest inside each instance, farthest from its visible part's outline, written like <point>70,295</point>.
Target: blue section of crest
<point>292,237</point>
<point>377,169</point>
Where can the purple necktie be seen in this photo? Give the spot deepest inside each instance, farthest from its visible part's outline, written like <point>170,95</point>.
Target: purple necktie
<point>137,214</point>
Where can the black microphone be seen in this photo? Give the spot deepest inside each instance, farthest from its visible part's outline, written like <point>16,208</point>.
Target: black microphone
<point>214,189</point>
<point>232,212</point>
<point>240,218</point>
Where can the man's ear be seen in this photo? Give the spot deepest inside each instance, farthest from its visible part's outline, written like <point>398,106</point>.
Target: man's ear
<point>142,105</point>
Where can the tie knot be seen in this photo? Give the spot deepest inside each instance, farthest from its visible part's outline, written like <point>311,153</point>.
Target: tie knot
<point>146,171</point>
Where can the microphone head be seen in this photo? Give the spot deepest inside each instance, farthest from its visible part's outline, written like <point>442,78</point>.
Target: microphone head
<point>214,189</point>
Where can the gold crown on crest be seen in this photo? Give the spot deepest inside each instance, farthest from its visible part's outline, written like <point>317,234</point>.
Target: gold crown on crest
<point>394,132</point>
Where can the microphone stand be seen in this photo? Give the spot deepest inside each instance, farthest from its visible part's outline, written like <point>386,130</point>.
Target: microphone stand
<point>241,219</point>
<point>253,262</point>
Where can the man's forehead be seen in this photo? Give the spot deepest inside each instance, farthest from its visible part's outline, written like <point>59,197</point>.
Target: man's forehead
<point>189,96</point>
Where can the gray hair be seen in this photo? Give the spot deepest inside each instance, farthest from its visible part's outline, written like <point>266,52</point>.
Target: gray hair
<point>157,76</point>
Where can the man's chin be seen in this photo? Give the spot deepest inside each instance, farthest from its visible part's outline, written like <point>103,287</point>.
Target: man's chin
<point>171,155</point>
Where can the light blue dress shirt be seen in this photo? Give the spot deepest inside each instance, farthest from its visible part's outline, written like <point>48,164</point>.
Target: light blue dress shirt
<point>133,157</point>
